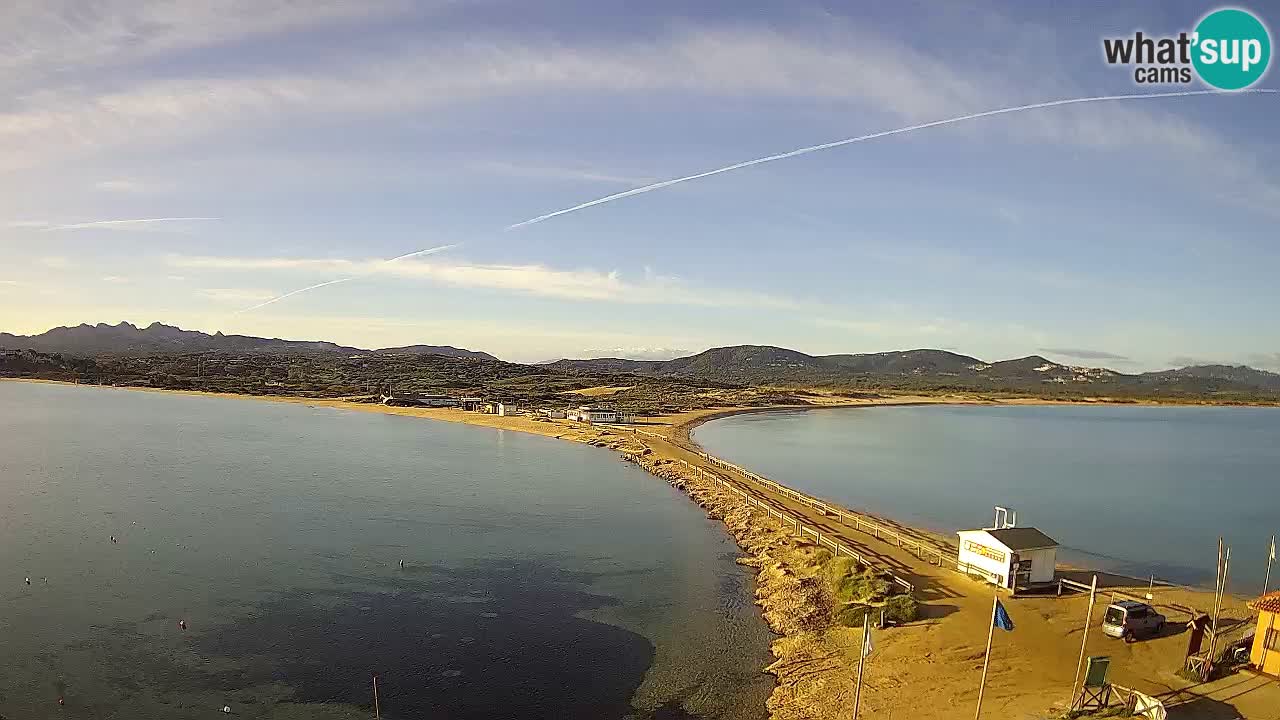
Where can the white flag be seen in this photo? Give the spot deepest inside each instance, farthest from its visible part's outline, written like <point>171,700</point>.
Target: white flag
<point>866,640</point>
<point>1273,547</point>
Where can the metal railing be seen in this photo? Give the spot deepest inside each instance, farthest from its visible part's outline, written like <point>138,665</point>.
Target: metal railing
<point>823,540</point>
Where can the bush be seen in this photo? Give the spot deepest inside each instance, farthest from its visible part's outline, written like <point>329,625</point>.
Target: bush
<point>852,615</point>
<point>849,583</point>
<point>901,609</point>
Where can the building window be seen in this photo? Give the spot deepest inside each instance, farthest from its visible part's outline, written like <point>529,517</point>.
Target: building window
<point>1273,640</point>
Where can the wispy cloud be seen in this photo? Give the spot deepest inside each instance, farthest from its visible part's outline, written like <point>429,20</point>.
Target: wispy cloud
<point>41,36</point>
<point>841,65</point>
<point>635,353</point>
<point>1266,361</point>
<point>528,279</point>
<point>22,224</point>
<point>237,296</point>
<point>125,224</point>
<point>382,264</point>
<point>126,186</point>
<point>118,279</point>
<point>291,293</point>
<point>1083,354</point>
<point>57,262</point>
<point>570,174</point>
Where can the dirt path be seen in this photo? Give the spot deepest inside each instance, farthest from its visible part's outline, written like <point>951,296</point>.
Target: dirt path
<point>931,668</point>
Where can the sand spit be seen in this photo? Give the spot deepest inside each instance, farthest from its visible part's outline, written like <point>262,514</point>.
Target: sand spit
<point>814,681</point>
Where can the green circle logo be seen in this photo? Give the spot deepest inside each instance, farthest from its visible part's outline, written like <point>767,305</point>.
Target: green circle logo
<point>1232,49</point>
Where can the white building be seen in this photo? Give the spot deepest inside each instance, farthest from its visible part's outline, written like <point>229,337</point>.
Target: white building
<point>1009,557</point>
<point>589,413</point>
<point>418,399</point>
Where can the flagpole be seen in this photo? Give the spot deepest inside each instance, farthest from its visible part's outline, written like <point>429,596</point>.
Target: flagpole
<point>991,631</point>
<point>1217,609</point>
<point>1271,556</point>
<point>376,710</point>
<point>1088,619</point>
<point>862,658</point>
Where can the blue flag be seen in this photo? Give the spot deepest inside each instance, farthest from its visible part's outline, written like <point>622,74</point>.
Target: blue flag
<point>1001,618</point>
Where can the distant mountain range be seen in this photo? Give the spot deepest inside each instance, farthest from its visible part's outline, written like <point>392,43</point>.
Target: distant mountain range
<point>766,365</point>
<point>739,365</point>
<point>128,339</point>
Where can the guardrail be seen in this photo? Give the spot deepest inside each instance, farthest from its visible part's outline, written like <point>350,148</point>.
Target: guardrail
<point>853,520</point>
<point>881,532</point>
<point>837,548</point>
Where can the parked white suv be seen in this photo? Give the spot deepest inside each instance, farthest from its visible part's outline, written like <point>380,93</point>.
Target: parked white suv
<point>1129,619</point>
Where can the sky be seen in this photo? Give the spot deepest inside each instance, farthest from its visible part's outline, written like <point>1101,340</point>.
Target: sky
<point>273,145</point>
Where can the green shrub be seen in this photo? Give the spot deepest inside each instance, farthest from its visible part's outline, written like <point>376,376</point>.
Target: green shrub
<point>849,583</point>
<point>852,615</point>
<point>901,609</point>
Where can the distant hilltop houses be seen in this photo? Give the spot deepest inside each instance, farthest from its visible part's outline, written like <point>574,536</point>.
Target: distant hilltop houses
<point>583,413</point>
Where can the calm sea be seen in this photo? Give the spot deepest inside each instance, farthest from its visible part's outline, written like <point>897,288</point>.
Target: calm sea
<point>541,579</point>
<point>1139,490</point>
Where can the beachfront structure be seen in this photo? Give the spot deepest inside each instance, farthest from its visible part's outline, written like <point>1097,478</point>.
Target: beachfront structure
<point>554,413</point>
<point>1010,557</point>
<point>593,414</point>
<point>418,400</point>
<point>1266,641</point>
<point>471,404</point>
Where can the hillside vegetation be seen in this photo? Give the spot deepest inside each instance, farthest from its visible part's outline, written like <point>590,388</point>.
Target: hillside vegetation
<point>163,356</point>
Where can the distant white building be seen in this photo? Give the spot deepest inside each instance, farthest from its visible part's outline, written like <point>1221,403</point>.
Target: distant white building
<point>419,400</point>
<point>595,414</point>
<point>590,413</point>
<point>553,413</point>
<point>1009,557</point>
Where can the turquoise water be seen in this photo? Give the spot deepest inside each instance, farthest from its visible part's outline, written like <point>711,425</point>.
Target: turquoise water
<point>1140,490</point>
<point>541,579</point>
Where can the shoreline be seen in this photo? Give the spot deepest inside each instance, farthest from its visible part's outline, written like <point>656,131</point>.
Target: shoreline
<point>815,654</point>
<point>678,427</point>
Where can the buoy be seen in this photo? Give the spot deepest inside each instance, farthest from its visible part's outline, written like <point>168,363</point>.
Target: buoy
<point>402,564</point>
<point>226,709</point>
<point>113,538</point>
<point>182,624</point>
<point>62,701</point>
<point>28,581</point>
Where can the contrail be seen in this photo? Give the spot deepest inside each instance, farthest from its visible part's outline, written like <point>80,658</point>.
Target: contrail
<point>299,291</point>
<point>428,251</point>
<point>111,223</point>
<point>873,136</point>
<point>278,298</point>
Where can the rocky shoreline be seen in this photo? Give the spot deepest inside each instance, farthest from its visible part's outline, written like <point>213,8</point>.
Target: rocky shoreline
<point>814,679</point>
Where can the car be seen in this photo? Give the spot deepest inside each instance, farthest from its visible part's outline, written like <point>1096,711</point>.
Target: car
<point>1129,619</point>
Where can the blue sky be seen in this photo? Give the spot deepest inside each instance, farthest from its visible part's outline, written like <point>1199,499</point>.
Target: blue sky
<point>321,138</point>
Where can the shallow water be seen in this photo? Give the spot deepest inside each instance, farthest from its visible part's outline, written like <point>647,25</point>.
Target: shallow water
<point>541,579</point>
<point>1139,490</point>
